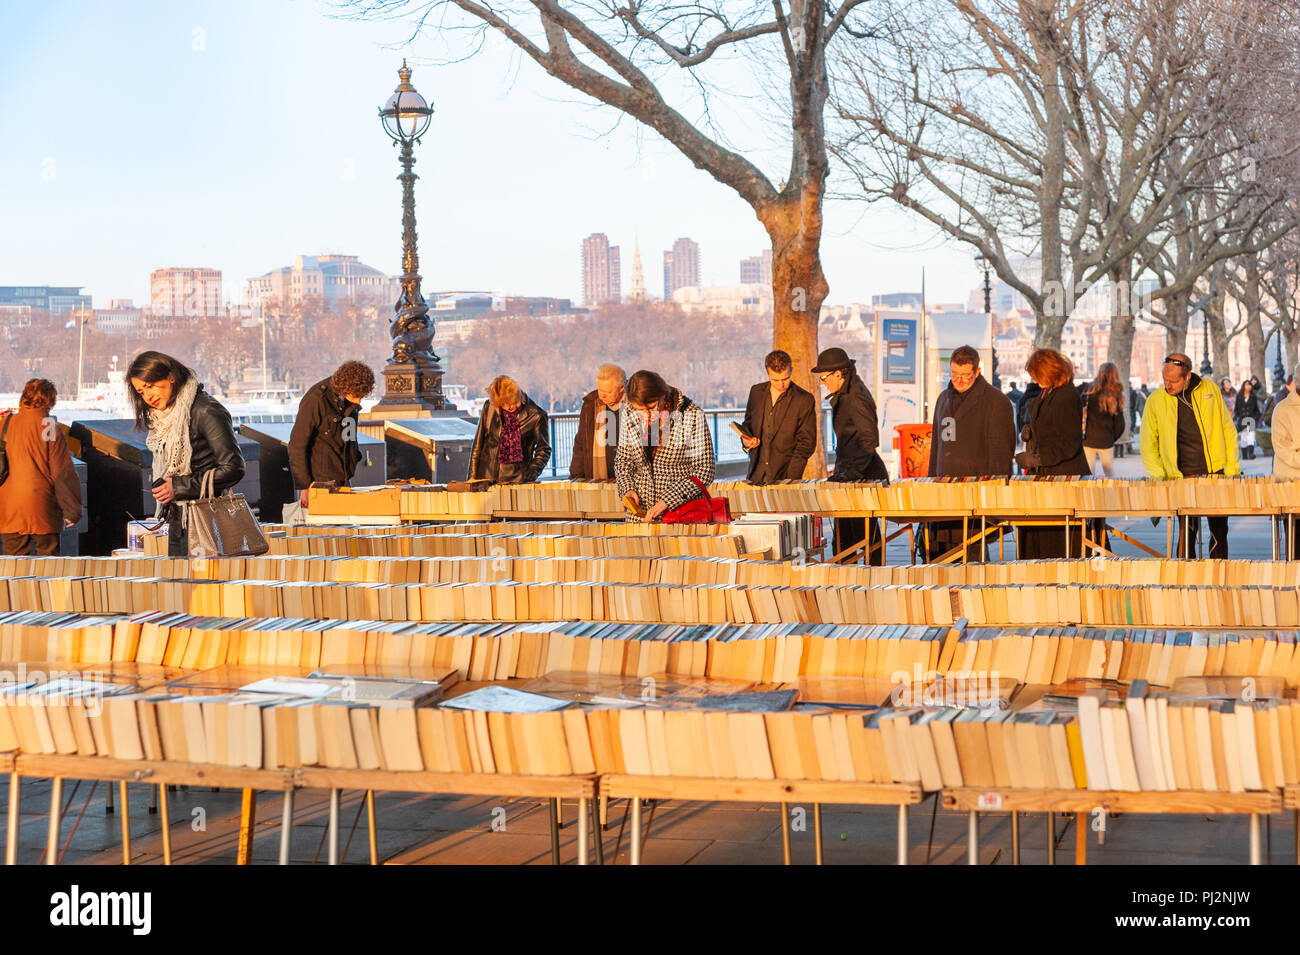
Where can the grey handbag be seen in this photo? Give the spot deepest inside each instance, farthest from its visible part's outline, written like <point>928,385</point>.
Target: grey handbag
<point>222,526</point>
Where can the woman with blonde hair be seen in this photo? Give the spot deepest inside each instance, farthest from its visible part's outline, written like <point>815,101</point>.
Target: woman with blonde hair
<point>1103,419</point>
<point>41,496</point>
<point>1053,435</point>
<point>513,442</point>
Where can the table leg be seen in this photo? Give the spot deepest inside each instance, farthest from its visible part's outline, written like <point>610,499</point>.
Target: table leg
<point>1051,838</point>
<point>902,833</point>
<point>1169,537</point>
<point>973,839</point>
<point>164,808</point>
<point>1080,838</point>
<point>598,836</point>
<point>108,799</point>
<point>1297,837</point>
<point>370,822</point>
<point>555,831</point>
<point>785,832</point>
<point>582,830</point>
<point>333,834</point>
<point>1276,529</point>
<point>15,792</point>
<point>817,830</point>
<point>965,535</point>
<point>286,826</point>
<point>247,820</point>
<point>1015,837</point>
<point>1254,839</point>
<point>56,808</point>
<point>636,830</point>
<point>1002,537</point>
<point>1067,536</point>
<point>126,818</point>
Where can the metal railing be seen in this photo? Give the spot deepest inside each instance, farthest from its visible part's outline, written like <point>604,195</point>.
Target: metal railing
<point>726,443</point>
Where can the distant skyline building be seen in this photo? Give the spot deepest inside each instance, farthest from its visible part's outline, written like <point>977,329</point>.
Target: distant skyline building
<point>636,292</point>
<point>681,266</point>
<point>189,292</point>
<point>749,299</point>
<point>333,278</point>
<point>55,299</point>
<point>601,271</point>
<point>757,269</point>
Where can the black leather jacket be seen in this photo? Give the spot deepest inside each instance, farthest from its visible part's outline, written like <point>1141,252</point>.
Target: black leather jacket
<point>323,444</point>
<point>535,439</point>
<point>212,446</point>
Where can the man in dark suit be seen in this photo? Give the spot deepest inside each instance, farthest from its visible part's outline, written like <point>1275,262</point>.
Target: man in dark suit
<point>782,420</point>
<point>974,435</point>
<point>596,443</point>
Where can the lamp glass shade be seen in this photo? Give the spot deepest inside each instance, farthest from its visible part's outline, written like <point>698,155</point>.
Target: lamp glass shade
<point>406,115</point>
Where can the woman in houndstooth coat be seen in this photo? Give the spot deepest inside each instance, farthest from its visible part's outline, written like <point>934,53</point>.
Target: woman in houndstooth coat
<point>665,442</point>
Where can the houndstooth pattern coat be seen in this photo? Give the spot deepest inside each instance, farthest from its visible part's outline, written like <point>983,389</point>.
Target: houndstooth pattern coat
<point>685,451</point>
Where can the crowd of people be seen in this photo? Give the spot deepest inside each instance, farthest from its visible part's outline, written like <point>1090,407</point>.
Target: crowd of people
<point>654,442</point>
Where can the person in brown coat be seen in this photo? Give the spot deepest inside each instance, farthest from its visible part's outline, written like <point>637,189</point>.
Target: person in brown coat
<point>42,495</point>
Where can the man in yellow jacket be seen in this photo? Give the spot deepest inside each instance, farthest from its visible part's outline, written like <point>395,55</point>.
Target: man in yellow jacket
<point>1187,432</point>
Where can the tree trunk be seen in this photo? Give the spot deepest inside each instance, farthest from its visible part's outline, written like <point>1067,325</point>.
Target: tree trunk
<point>1120,348</point>
<point>1176,319</point>
<point>1218,335</point>
<point>794,224</point>
<point>1254,322</point>
<point>1056,302</point>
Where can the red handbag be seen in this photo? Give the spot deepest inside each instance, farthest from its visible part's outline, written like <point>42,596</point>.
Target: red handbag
<point>705,510</point>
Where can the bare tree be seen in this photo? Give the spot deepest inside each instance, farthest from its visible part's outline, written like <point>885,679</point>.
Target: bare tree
<point>612,51</point>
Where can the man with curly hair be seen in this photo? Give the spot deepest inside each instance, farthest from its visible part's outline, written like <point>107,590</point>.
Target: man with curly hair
<point>323,444</point>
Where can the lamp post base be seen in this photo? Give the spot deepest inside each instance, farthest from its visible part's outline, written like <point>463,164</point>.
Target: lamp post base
<point>411,387</point>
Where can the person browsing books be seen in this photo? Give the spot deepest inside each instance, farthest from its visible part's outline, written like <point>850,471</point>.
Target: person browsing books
<point>1286,448</point>
<point>512,444</point>
<point>973,435</point>
<point>190,434</point>
<point>781,424</point>
<point>1187,431</point>
<point>323,443</point>
<point>41,496</point>
<point>857,435</point>
<point>595,444</point>
<point>665,442</point>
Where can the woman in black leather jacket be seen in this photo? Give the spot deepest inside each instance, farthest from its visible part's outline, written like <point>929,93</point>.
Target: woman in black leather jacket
<point>190,434</point>
<point>513,443</point>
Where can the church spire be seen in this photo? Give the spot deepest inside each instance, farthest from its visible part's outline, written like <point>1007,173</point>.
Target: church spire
<point>636,293</point>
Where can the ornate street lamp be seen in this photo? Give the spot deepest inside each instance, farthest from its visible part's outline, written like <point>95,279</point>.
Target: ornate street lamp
<point>1207,369</point>
<point>982,262</point>
<point>413,376</point>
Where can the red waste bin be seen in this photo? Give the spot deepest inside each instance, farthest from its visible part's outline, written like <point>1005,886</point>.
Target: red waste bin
<point>913,444</point>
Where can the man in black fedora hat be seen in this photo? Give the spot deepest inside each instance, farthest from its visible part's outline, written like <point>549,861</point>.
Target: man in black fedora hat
<point>853,415</point>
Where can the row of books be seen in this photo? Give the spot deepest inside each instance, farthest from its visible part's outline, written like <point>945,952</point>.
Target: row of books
<point>493,544</point>
<point>762,653</point>
<point>545,528</point>
<point>1056,494</point>
<point>1096,740</point>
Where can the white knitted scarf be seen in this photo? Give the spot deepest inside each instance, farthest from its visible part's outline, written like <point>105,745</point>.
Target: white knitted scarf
<point>169,434</point>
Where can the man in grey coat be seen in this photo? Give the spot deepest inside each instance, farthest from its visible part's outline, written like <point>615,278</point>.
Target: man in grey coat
<point>974,435</point>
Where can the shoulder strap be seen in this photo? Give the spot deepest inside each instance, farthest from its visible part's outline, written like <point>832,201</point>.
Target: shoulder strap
<point>4,432</point>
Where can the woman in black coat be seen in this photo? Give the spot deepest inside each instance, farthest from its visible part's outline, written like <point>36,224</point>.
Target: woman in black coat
<point>1054,446</point>
<point>1245,414</point>
<point>1104,424</point>
<point>190,434</point>
<point>513,443</point>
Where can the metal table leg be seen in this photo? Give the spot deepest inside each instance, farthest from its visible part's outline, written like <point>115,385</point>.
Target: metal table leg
<point>247,822</point>
<point>126,818</point>
<point>973,839</point>
<point>56,808</point>
<point>15,794</point>
<point>598,837</point>
<point>582,830</point>
<point>108,799</point>
<point>1051,838</point>
<point>817,830</point>
<point>785,832</point>
<point>370,821</point>
<point>636,830</point>
<point>555,831</point>
<point>1015,837</point>
<point>286,826</point>
<point>333,835</point>
<point>902,833</point>
<point>1254,839</point>
<point>165,809</point>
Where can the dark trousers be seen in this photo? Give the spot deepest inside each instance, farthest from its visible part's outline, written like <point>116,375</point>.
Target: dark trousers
<point>1189,528</point>
<point>853,530</point>
<point>939,537</point>
<point>178,538</point>
<point>20,545</point>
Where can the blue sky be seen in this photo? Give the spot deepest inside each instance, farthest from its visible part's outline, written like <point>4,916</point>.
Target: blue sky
<point>238,134</point>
